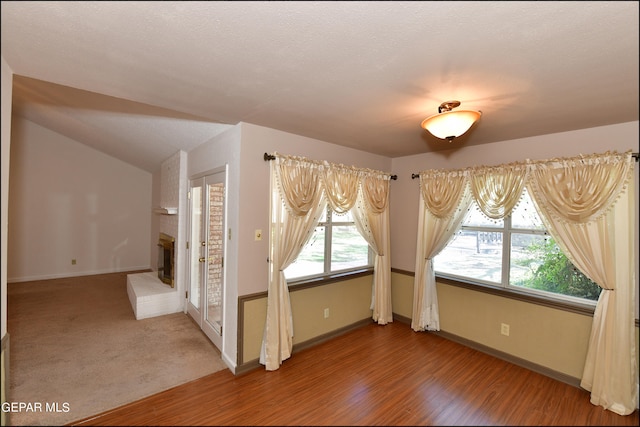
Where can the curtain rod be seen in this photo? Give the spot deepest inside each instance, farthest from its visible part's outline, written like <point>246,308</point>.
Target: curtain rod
<point>268,157</point>
<point>417,175</point>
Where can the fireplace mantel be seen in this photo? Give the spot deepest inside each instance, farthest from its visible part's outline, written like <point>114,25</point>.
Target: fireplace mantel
<point>166,211</point>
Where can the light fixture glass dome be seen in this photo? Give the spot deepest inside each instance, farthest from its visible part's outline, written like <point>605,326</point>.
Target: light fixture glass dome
<point>448,124</point>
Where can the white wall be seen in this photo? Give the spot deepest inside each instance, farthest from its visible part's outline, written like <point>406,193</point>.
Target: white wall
<point>68,201</point>
<point>5,121</point>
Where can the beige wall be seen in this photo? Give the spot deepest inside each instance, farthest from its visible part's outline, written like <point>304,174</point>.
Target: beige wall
<point>348,302</point>
<point>552,338</point>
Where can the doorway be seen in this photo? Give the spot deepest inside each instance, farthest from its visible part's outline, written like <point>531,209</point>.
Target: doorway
<point>206,253</point>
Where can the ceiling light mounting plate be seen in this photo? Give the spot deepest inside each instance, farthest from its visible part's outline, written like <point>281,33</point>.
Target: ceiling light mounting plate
<point>448,106</point>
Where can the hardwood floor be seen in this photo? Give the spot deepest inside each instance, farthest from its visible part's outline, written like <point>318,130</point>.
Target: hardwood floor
<point>374,375</point>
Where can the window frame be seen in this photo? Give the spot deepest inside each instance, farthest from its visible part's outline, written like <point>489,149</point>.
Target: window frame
<point>327,273</point>
<point>507,231</point>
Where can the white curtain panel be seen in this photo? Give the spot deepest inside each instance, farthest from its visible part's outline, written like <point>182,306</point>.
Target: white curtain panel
<point>297,203</point>
<point>445,199</point>
<point>371,217</point>
<point>587,205</point>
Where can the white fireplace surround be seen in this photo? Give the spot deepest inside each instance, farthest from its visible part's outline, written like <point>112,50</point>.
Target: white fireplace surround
<point>153,293</point>
<point>150,297</point>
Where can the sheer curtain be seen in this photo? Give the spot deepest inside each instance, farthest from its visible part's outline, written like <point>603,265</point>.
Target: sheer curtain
<point>371,216</point>
<point>300,191</point>
<point>587,204</point>
<point>445,200</point>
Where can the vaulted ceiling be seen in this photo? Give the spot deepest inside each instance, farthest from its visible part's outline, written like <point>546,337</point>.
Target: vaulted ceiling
<point>140,80</point>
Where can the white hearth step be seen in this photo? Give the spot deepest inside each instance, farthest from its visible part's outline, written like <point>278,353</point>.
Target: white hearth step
<point>150,297</point>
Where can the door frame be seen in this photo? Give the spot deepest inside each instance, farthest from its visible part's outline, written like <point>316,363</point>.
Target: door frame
<point>199,315</point>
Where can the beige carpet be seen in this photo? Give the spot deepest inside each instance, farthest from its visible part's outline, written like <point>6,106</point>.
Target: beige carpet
<point>77,350</point>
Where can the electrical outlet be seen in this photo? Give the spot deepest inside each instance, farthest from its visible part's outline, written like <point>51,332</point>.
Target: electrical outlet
<point>326,313</point>
<point>504,329</point>
<point>73,262</point>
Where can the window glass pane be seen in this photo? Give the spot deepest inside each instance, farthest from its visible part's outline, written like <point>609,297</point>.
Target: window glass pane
<point>348,248</point>
<point>475,218</point>
<point>311,259</point>
<point>524,257</point>
<point>541,265</point>
<point>472,254</point>
<point>536,263</point>
<point>524,215</point>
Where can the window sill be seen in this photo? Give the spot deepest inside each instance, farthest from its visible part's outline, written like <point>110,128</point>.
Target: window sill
<point>312,282</point>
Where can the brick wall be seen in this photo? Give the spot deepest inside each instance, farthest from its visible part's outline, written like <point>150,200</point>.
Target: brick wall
<point>215,244</point>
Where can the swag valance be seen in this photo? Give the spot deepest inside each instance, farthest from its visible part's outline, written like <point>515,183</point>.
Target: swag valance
<point>302,179</point>
<point>577,189</point>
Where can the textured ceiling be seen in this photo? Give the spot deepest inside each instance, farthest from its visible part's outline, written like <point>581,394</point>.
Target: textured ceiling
<point>140,80</point>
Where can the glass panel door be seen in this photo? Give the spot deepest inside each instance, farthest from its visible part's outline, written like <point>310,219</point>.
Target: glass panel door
<point>196,241</point>
<point>196,247</point>
<point>207,250</point>
<point>215,252</point>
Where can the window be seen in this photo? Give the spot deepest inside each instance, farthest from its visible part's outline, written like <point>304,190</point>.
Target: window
<point>335,246</point>
<point>514,253</point>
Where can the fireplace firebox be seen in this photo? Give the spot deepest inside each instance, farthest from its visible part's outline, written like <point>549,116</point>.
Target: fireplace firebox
<point>166,257</point>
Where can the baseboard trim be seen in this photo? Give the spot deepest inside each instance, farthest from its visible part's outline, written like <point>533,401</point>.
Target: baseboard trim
<point>132,269</point>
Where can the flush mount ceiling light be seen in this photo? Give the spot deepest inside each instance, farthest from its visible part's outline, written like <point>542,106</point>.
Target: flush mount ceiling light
<point>449,124</point>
